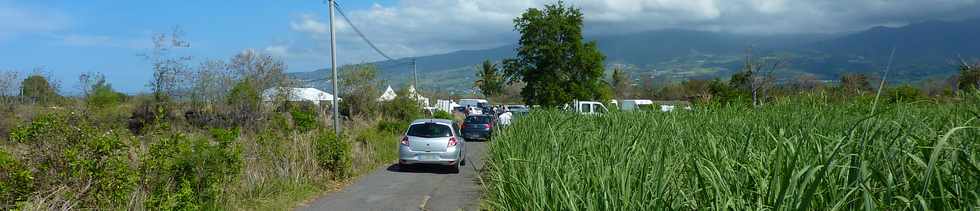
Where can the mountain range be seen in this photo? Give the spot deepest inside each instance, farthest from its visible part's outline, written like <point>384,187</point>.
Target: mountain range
<point>922,50</point>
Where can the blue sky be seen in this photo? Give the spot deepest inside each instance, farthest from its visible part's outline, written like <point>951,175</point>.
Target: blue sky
<point>69,37</point>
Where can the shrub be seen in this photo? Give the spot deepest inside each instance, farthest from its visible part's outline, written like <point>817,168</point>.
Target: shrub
<point>394,127</point>
<point>443,115</point>
<point>103,96</point>
<point>333,154</point>
<point>185,173</point>
<point>904,93</point>
<point>146,114</point>
<point>16,182</point>
<point>245,102</point>
<point>65,150</point>
<point>304,119</point>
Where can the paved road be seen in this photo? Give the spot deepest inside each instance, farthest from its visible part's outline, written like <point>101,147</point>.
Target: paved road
<point>418,188</point>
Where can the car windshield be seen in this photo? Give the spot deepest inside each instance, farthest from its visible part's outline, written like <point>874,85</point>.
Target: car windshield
<point>430,130</point>
<point>478,120</point>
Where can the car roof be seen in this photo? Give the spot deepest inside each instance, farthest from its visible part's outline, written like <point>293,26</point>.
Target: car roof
<point>440,121</point>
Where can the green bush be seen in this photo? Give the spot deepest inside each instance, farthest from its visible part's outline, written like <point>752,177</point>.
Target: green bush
<point>187,173</point>
<point>394,127</point>
<point>245,101</point>
<point>333,154</point>
<point>65,150</point>
<point>443,115</point>
<point>104,97</point>
<point>304,119</point>
<point>904,93</point>
<point>402,108</point>
<point>16,182</point>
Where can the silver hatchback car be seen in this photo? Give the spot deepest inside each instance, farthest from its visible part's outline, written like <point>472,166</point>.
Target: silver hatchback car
<point>432,141</point>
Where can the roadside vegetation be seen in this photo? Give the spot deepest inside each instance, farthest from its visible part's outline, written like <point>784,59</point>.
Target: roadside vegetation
<point>808,152</point>
<point>206,138</point>
<point>751,142</point>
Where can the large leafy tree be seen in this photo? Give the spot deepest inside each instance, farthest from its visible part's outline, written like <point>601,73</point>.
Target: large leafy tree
<point>37,89</point>
<point>969,78</point>
<point>621,83</point>
<point>102,95</point>
<point>489,80</point>
<point>360,91</point>
<point>552,59</point>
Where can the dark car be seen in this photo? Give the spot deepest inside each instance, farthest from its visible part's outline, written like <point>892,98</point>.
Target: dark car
<point>478,127</point>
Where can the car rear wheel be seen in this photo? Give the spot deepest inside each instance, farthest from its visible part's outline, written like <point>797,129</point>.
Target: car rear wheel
<point>455,168</point>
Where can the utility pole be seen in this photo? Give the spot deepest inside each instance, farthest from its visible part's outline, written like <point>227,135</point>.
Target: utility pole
<point>416,73</point>
<point>418,90</point>
<point>333,68</point>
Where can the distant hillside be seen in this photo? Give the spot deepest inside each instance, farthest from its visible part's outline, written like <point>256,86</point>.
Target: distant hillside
<point>923,50</point>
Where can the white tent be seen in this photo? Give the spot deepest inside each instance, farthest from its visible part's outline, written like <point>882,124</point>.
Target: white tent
<point>389,95</point>
<point>297,95</point>
<point>424,101</point>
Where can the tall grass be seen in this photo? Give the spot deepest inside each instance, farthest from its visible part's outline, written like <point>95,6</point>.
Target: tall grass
<point>796,154</point>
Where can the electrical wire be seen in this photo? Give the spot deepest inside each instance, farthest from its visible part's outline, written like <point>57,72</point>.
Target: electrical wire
<point>391,61</point>
<point>359,33</point>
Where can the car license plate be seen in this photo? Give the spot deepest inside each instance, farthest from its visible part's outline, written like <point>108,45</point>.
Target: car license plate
<point>429,157</point>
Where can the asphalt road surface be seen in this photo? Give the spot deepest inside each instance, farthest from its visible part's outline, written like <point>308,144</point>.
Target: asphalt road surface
<point>417,188</point>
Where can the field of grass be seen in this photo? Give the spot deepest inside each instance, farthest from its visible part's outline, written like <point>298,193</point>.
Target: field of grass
<point>804,153</point>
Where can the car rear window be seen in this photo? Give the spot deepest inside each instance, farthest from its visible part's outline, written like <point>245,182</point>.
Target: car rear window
<point>430,130</point>
<point>477,120</point>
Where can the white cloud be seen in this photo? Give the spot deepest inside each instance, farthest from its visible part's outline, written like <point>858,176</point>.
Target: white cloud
<point>308,23</point>
<point>16,20</point>
<point>416,27</point>
<point>278,50</point>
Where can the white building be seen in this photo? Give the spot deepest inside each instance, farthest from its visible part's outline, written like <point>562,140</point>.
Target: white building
<point>297,95</point>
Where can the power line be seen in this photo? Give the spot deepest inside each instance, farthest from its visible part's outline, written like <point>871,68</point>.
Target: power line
<point>359,33</point>
<point>392,61</point>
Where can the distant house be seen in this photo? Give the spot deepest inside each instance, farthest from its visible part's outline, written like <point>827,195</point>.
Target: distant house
<point>297,95</point>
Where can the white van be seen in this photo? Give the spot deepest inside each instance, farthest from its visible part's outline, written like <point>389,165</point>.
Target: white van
<point>586,107</point>
<point>471,102</point>
<point>633,105</point>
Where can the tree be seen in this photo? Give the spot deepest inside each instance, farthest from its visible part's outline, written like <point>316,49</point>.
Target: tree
<point>969,77</point>
<point>403,107</point>
<point>756,77</point>
<point>621,83</point>
<point>210,83</point>
<point>855,83</point>
<point>264,71</point>
<point>38,90</point>
<point>168,68</point>
<point>903,93</point>
<point>8,86</point>
<point>101,95</point>
<point>552,59</point>
<point>489,80</point>
<point>806,82</point>
<point>245,102</point>
<point>360,89</point>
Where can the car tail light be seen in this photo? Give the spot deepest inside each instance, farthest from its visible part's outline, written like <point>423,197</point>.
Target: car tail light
<point>452,141</point>
<point>463,126</point>
<point>405,141</point>
<point>488,125</point>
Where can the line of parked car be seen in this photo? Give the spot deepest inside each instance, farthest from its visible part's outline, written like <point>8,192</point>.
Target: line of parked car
<point>443,141</point>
